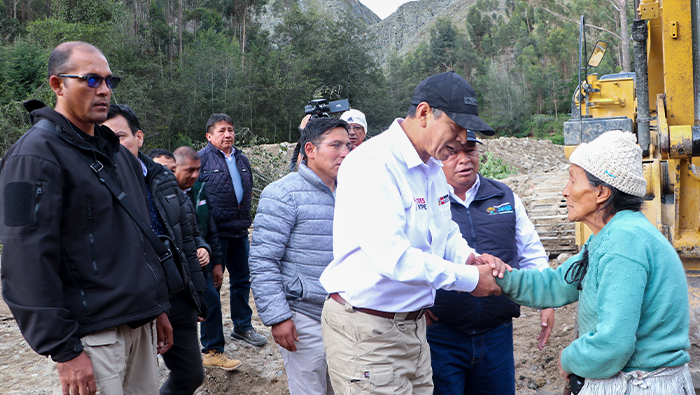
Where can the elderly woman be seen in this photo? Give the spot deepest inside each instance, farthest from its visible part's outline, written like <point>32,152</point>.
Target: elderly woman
<point>629,282</point>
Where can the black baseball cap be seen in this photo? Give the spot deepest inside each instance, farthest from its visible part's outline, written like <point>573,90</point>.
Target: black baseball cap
<point>471,136</point>
<point>451,93</point>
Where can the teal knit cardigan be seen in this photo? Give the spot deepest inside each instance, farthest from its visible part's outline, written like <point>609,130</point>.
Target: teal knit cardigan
<point>633,311</point>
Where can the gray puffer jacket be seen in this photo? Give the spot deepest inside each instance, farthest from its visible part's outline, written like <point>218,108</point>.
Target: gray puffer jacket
<point>292,245</point>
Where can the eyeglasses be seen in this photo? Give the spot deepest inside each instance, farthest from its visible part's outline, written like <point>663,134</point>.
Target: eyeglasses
<point>340,146</point>
<point>356,128</point>
<point>94,80</point>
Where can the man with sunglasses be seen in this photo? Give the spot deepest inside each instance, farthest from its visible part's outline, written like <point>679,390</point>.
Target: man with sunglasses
<point>96,308</point>
<point>292,244</point>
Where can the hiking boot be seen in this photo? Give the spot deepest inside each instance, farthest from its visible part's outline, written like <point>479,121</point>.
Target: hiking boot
<point>250,336</point>
<point>215,359</point>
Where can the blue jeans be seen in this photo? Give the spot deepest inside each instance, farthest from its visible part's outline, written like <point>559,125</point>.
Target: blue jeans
<point>212,330</point>
<point>472,365</point>
<point>235,252</point>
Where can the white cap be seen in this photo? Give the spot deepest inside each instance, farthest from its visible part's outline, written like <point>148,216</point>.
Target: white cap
<point>355,116</point>
<point>615,158</point>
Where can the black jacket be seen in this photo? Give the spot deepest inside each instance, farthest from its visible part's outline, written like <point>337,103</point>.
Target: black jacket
<point>73,261</point>
<point>232,218</point>
<point>171,204</point>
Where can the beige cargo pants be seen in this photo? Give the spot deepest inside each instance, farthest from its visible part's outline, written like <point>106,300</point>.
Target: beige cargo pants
<point>124,360</point>
<point>370,354</point>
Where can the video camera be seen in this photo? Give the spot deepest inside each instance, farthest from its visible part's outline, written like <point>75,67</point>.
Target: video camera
<point>320,108</point>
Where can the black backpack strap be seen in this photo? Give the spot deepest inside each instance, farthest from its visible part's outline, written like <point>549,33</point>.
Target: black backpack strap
<point>173,271</point>
<point>97,167</point>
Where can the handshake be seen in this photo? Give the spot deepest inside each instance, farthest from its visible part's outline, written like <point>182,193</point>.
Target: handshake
<point>489,267</point>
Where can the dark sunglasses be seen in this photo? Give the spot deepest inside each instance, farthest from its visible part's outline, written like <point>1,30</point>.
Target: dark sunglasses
<point>94,80</point>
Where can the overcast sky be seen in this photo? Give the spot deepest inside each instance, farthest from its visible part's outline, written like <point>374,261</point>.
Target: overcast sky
<point>383,8</point>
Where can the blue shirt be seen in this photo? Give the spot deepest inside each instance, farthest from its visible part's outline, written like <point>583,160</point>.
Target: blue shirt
<point>156,222</point>
<point>235,175</point>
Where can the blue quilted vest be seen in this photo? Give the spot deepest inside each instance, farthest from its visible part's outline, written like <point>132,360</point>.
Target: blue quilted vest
<point>488,225</point>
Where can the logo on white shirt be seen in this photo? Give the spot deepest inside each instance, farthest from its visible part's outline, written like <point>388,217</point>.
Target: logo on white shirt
<point>505,208</point>
<point>420,203</point>
<point>442,200</point>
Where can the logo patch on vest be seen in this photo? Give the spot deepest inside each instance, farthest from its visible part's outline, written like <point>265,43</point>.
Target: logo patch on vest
<point>202,202</point>
<point>442,200</point>
<point>420,203</point>
<point>505,208</point>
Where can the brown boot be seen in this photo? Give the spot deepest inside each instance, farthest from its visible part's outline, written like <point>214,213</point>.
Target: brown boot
<point>215,359</point>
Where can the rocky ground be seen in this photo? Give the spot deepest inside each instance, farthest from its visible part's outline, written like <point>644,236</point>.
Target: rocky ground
<point>23,372</point>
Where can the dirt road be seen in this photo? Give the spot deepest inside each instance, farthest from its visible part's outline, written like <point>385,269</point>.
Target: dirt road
<point>23,372</point>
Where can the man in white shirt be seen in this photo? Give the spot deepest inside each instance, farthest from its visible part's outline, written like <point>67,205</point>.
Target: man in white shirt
<point>394,244</point>
<point>471,340</point>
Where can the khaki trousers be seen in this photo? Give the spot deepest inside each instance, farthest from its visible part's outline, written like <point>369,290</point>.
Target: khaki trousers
<point>124,360</point>
<point>370,354</point>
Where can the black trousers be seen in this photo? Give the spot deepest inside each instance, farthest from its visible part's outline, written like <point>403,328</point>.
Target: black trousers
<point>184,358</point>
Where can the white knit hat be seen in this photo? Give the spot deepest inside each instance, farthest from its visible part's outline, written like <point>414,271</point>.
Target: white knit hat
<point>615,158</point>
<point>355,116</point>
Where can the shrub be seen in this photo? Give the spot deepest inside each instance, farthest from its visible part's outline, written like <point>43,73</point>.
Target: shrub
<point>495,168</point>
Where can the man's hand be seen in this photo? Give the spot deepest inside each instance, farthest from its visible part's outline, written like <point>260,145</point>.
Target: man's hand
<point>285,334</point>
<point>430,318</point>
<point>498,266</point>
<point>76,376</point>
<point>203,256</point>
<point>164,333</point>
<point>547,321</point>
<point>487,282</point>
<point>203,308</point>
<point>304,121</point>
<point>217,273</point>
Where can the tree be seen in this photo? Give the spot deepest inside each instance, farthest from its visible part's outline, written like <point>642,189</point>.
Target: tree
<point>609,16</point>
<point>22,70</point>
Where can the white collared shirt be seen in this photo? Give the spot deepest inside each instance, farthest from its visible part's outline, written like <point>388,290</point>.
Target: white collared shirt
<point>394,242</point>
<point>531,253</point>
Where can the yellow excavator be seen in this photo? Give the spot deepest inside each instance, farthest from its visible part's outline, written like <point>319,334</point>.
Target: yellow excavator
<point>660,102</point>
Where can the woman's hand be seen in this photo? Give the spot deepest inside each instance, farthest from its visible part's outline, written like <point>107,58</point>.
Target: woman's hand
<point>564,374</point>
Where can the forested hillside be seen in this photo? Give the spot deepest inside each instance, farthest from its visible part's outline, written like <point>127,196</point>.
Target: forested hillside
<point>181,60</point>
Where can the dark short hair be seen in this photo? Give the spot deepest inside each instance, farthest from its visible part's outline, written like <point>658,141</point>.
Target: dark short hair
<point>128,114</point>
<point>156,152</point>
<point>412,111</point>
<point>216,118</point>
<point>316,128</point>
<point>186,153</point>
<point>618,200</point>
<point>59,59</point>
